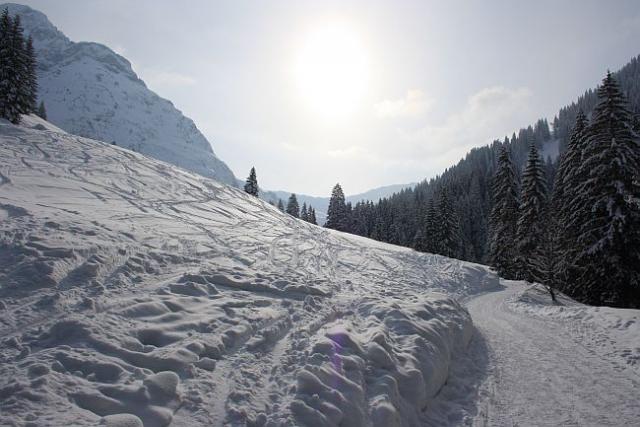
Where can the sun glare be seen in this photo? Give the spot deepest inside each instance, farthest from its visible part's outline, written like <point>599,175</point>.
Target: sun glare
<point>331,71</point>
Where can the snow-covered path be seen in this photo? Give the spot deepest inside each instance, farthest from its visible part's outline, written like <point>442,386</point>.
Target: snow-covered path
<point>541,372</point>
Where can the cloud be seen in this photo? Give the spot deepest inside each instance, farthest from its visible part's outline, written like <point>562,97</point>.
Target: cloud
<point>488,114</point>
<point>414,103</point>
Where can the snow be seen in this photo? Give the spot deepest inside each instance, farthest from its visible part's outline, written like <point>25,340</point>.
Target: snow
<point>136,293</point>
<point>90,90</point>
<point>535,363</point>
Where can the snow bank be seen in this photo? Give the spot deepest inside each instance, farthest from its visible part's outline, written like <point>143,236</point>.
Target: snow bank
<point>381,366</point>
<point>135,293</point>
<point>609,332</point>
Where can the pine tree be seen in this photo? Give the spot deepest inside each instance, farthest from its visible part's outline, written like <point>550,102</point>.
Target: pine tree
<point>7,71</point>
<point>20,93</point>
<point>304,215</point>
<point>504,217</point>
<point>293,208</point>
<point>531,221</point>
<point>18,80</point>
<point>565,200</point>
<point>251,185</point>
<point>281,205</point>
<point>42,112</point>
<point>608,264</point>
<point>31,90</point>
<point>311,215</point>
<point>337,217</point>
<point>432,229</point>
<point>450,240</point>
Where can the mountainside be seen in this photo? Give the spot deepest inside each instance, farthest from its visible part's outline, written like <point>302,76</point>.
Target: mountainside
<point>134,292</point>
<point>91,91</point>
<point>401,218</point>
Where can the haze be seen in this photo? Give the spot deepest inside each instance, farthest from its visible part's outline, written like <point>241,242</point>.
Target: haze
<point>364,93</point>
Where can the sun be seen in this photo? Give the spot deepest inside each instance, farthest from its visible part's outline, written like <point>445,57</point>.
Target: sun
<point>331,71</point>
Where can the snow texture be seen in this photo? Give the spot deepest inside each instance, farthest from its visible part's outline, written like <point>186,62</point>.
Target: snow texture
<point>90,90</point>
<point>534,363</point>
<point>136,293</point>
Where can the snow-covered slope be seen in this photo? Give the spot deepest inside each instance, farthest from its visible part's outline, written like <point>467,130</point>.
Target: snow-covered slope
<point>90,90</point>
<point>141,293</point>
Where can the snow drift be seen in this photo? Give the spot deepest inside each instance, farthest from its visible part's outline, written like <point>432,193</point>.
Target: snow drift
<point>136,293</point>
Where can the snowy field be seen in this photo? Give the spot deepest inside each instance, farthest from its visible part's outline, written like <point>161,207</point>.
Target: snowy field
<point>134,292</point>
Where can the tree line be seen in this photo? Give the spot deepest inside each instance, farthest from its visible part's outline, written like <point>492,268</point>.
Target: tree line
<point>571,223</point>
<point>306,213</point>
<point>18,78</point>
<point>583,237</point>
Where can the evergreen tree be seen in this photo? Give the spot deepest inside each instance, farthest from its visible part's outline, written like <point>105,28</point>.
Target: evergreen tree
<point>20,94</point>
<point>312,216</point>
<point>251,185</point>
<point>608,264</point>
<point>565,199</point>
<point>531,221</point>
<point>450,240</point>
<point>432,229</point>
<point>8,108</point>
<point>504,217</point>
<point>304,215</point>
<point>42,112</point>
<point>281,205</point>
<point>18,81</point>
<point>31,90</point>
<point>293,208</point>
<point>337,217</point>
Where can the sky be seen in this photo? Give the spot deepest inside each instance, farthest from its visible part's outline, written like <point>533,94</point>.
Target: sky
<point>365,93</point>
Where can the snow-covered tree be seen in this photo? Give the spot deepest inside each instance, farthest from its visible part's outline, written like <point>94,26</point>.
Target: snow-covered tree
<point>504,217</point>
<point>31,77</point>
<point>18,80</point>
<point>337,216</point>
<point>304,215</point>
<point>281,205</point>
<point>293,208</point>
<point>565,199</point>
<point>531,221</point>
<point>251,185</point>
<point>432,229</point>
<point>608,219</point>
<point>449,236</point>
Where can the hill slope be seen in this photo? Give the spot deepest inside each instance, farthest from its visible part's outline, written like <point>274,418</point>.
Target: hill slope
<point>91,91</point>
<point>139,292</point>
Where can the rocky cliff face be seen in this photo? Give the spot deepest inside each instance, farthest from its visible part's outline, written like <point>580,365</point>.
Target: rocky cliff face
<point>91,91</point>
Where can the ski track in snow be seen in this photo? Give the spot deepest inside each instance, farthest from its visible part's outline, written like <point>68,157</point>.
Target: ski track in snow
<point>130,288</point>
<point>134,293</point>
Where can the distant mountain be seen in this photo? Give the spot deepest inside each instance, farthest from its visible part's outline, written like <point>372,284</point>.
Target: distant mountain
<point>321,204</point>
<point>89,90</point>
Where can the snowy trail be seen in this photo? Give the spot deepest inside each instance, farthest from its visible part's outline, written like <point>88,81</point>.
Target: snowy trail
<point>540,373</point>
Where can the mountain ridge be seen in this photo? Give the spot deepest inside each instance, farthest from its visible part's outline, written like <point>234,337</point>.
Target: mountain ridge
<point>91,91</point>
